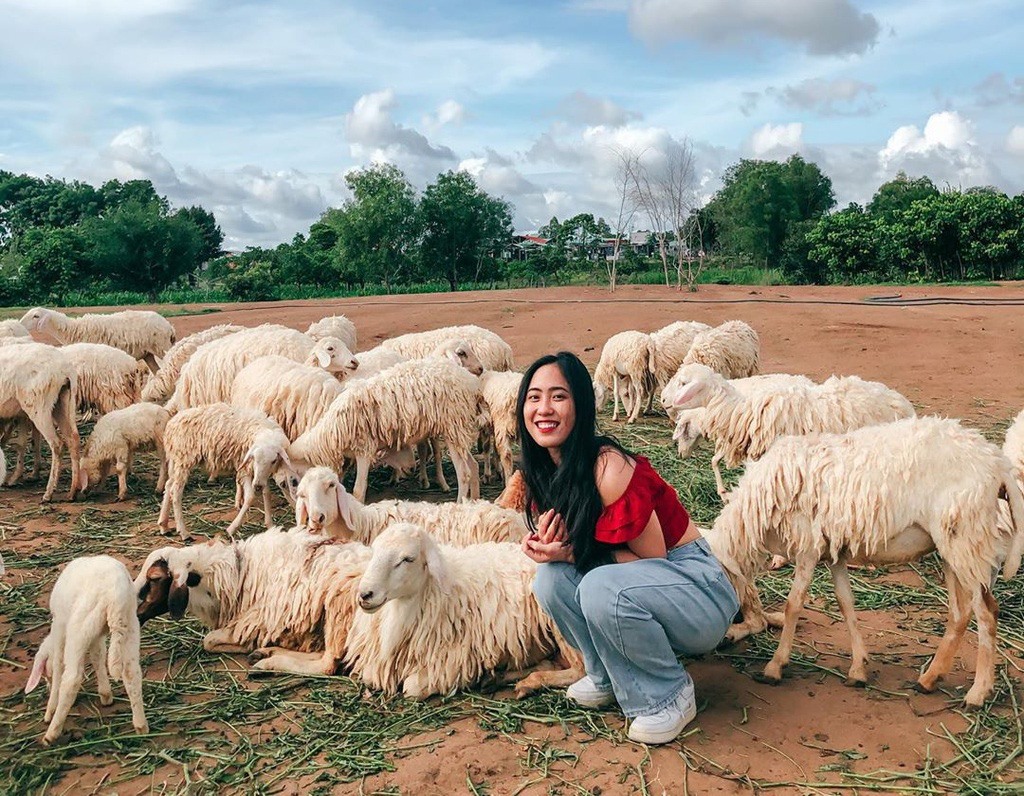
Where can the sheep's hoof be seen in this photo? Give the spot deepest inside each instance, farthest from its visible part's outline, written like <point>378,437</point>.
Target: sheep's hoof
<point>46,740</point>
<point>142,729</point>
<point>258,655</point>
<point>769,676</point>
<point>856,682</point>
<point>106,699</point>
<point>921,688</point>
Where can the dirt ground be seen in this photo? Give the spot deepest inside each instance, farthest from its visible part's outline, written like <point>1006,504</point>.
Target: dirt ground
<point>964,360</point>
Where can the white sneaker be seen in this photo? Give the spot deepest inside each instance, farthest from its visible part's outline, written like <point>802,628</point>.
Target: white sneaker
<point>586,693</point>
<point>667,723</point>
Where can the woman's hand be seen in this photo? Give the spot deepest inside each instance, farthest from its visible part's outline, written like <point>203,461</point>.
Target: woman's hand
<point>550,542</point>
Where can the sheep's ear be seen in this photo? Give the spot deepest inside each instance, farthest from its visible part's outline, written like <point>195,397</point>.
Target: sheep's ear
<point>437,569</point>
<point>39,668</point>
<point>248,455</point>
<point>454,357</point>
<point>688,393</point>
<point>301,512</point>
<point>345,506</point>
<point>83,475</point>
<point>322,357</point>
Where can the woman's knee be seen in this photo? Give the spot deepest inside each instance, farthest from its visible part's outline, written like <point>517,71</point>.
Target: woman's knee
<point>552,586</point>
<point>598,593</point>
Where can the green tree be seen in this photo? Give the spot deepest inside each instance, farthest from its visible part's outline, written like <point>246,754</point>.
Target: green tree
<point>51,262</point>
<point>27,202</point>
<point>899,193</point>
<point>209,230</point>
<point>843,247</point>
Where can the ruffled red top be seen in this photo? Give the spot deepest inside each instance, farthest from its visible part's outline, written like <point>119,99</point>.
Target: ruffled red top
<point>625,518</point>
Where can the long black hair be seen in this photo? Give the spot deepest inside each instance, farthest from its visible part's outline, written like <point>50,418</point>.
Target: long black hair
<point>569,487</point>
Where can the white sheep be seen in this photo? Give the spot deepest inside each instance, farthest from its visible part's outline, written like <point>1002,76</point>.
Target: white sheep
<point>493,352</point>
<point>671,345</point>
<point>92,598</point>
<point>404,405</point>
<point>878,495</point>
<point>743,427</point>
<point>161,385</point>
<point>116,438</point>
<point>334,326</point>
<point>293,394</point>
<point>375,360</point>
<point>225,439</point>
<point>12,328</point>
<point>271,590</point>
<point>627,357</point>
<point>436,618</point>
<point>107,377</point>
<point>38,381</point>
<point>324,506</point>
<point>500,391</point>
<point>208,375</point>
<point>1013,445</point>
<point>144,334</point>
<point>732,349</point>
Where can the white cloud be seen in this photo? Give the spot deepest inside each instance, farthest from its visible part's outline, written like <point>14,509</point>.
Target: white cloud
<point>448,112</point>
<point>1015,140</point>
<point>777,140</point>
<point>946,150</point>
<point>373,133</point>
<point>824,27</point>
<point>838,97</point>
<point>582,108</point>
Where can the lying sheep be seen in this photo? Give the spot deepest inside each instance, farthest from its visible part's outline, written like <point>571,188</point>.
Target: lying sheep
<point>92,598</point>
<point>116,438</point>
<point>878,495</point>
<point>286,589</point>
<point>160,387</point>
<point>627,357</point>
<point>334,326</point>
<point>732,349</point>
<point>1013,446</point>
<point>493,352</point>
<point>324,506</point>
<point>436,618</point>
<point>13,328</point>
<point>144,334</point>
<point>225,439</point>
<point>743,427</point>
<point>107,377</point>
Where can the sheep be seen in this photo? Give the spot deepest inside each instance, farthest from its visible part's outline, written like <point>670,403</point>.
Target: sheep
<point>161,385</point>
<point>628,356</point>
<point>435,618</point>
<point>226,439</point>
<point>144,334</point>
<point>406,404</point>
<point>1013,446</point>
<point>280,588</point>
<point>671,345</point>
<point>744,427</point>
<point>882,494</point>
<point>38,381</point>
<point>114,441</point>
<point>13,328</point>
<point>293,394</point>
<point>324,506</point>
<point>500,390</point>
<point>493,352</point>
<point>208,375</point>
<point>18,433</point>
<point>375,360</point>
<point>93,597</point>
<point>108,378</point>
<point>732,349</point>
<point>334,326</point>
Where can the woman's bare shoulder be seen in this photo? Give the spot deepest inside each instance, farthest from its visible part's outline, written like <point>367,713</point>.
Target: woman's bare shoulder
<point>612,472</point>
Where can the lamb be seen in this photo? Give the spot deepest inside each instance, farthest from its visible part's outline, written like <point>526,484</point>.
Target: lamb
<point>406,404</point>
<point>161,385</point>
<point>671,345</point>
<point>92,598</point>
<point>628,356</point>
<point>732,349</point>
<point>744,427</point>
<point>280,588</point>
<point>144,334</point>
<point>1013,446</point>
<point>208,375</point>
<point>13,328</point>
<point>436,618</point>
<point>324,506</point>
<point>881,494</point>
<point>493,352</point>
<point>226,439</point>
<point>334,326</point>
<point>38,381</point>
<point>500,391</point>
<point>108,378</point>
<point>116,438</point>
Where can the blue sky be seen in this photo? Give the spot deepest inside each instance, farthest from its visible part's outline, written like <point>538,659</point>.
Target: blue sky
<point>257,110</point>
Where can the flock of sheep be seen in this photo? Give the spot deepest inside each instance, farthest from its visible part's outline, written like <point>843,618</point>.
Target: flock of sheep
<point>424,598</point>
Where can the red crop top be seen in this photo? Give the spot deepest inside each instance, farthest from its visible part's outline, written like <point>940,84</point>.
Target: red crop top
<point>625,518</point>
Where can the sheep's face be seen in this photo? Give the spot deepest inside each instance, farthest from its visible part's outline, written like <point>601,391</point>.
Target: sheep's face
<point>288,483</point>
<point>694,386</point>
<point>462,353</point>
<point>687,432</point>
<point>267,460</point>
<point>403,459</point>
<point>322,500</point>
<point>91,472</point>
<point>600,395</point>
<point>333,355</point>
<point>34,319</point>
<point>404,561</point>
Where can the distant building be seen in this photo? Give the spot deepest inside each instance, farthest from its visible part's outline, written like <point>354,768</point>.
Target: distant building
<point>523,246</point>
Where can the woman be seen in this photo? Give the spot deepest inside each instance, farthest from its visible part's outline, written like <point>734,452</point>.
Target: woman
<point>623,571</point>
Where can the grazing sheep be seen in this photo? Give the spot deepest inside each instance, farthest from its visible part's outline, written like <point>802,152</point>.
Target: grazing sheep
<point>436,618</point>
<point>286,589</point>
<point>160,387</point>
<point>493,352</point>
<point>13,329</point>
<point>732,349</point>
<point>116,438</point>
<point>18,433</point>
<point>878,495</point>
<point>334,326</point>
<point>743,427</point>
<point>626,356</point>
<point>671,345</point>
<point>107,377</point>
<point>93,597</point>
<point>499,390</point>
<point>406,404</point>
<point>144,334</point>
<point>226,439</point>
<point>1013,446</point>
<point>324,506</point>
<point>38,381</point>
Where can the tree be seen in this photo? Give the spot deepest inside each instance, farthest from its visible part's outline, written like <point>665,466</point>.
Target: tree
<point>51,263</point>
<point>209,230</point>
<point>462,227</point>
<point>628,206</point>
<point>843,247</point>
<point>898,194</point>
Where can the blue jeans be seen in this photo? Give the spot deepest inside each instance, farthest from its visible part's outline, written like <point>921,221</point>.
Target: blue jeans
<point>630,621</point>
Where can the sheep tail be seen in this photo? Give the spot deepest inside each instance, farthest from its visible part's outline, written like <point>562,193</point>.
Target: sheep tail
<point>1015,498</point>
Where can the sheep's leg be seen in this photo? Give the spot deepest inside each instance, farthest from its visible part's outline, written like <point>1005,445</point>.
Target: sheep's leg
<point>794,605</point>
<point>436,446</point>
<point>362,476</point>
<point>248,495</point>
<point>754,618</point>
<point>637,397</point>
<point>132,679</point>
<point>421,454</point>
<point>222,640</point>
<point>164,521</point>
<point>56,676</point>
<point>161,478</point>
<point>75,651</point>
<point>177,490</point>
<point>37,454</point>
<point>268,513</point>
<point>956,624</point>
<point>844,594</point>
<point>122,480</point>
<point>19,468</point>
<point>238,494</point>
<point>506,456</point>
<point>719,481</point>
<point>282,660</point>
<point>63,416</point>
<point>44,423</point>
<point>615,395</point>
<point>986,611</point>
<point>151,362</point>
<point>98,656</point>
<point>538,679</point>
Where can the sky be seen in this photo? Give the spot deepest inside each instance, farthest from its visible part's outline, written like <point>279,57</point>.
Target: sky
<point>257,110</point>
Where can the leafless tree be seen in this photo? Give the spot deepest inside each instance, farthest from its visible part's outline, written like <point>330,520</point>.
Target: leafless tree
<point>628,204</point>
